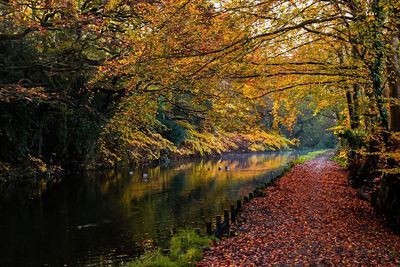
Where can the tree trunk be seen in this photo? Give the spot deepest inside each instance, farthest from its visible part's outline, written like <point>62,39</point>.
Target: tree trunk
<point>356,104</point>
<point>350,107</point>
<point>351,94</point>
<point>394,83</point>
<point>378,64</point>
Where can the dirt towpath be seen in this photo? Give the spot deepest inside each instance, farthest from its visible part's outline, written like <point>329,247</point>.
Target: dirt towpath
<point>311,217</point>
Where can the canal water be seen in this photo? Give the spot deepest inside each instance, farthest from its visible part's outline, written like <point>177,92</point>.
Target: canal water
<point>108,219</point>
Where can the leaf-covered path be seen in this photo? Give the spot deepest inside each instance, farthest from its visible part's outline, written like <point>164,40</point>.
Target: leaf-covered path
<point>311,217</point>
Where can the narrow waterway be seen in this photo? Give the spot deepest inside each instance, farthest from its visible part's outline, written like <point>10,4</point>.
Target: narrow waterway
<point>107,219</point>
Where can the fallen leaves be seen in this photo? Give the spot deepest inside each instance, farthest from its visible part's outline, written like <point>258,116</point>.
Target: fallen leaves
<point>311,217</point>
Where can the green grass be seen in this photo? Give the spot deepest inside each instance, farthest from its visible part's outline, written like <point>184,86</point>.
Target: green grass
<point>153,258</point>
<point>186,248</point>
<point>309,156</point>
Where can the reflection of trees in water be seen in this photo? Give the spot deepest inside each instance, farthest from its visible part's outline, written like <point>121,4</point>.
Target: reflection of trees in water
<point>180,195</point>
<point>195,175</point>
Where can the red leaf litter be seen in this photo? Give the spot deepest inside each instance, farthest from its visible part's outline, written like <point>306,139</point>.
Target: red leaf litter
<point>311,217</point>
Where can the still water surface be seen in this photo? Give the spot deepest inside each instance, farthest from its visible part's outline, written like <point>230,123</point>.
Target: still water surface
<point>107,219</point>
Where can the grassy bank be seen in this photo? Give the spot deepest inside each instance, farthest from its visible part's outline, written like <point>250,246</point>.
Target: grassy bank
<point>186,248</point>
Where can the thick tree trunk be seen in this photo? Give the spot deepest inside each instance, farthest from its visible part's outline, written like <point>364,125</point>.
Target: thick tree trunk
<point>377,68</point>
<point>350,107</point>
<point>352,96</point>
<point>356,104</point>
<point>394,83</point>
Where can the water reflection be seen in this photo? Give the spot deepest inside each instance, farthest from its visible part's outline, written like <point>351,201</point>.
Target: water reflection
<point>109,218</point>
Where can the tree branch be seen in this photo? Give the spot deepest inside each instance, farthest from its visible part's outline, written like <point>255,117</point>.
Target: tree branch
<point>16,36</point>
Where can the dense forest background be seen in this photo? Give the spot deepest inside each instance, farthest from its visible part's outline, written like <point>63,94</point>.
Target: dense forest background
<point>89,83</point>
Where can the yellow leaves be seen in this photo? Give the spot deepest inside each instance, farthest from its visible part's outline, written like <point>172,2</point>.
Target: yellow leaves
<point>275,114</point>
<point>338,129</point>
<point>201,143</point>
<point>38,164</point>
<point>206,143</point>
<point>370,17</point>
<point>248,90</point>
<point>112,4</point>
<point>391,171</point>
<point>130,145</point>
<point>395,156</point>
<point>284,111</point>
<point>321,105</point>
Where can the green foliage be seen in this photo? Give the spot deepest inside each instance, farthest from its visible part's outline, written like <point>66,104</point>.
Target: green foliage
<point>313,132</point>
<point>354,138</point>
<point>204,143</point>
<point>310,123</point>
<point>186,248</point>
<point>342,161</point>
<point>132,135</point>
<point>47,129</point>
<point>174,132</point>
<point>154,259</point>
<point>33,168</point>
<point>126,145</point>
